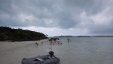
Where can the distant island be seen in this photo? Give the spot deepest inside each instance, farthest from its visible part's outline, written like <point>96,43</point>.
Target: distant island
<point>83,36</point>
<point>66,36</point>
<point>10,34</point>
<point>94,36</point>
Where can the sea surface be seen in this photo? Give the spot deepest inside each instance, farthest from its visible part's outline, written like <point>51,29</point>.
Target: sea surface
<point>70,50</point>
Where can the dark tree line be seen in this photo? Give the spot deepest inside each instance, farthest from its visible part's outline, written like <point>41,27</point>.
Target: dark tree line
<point>7,33</point>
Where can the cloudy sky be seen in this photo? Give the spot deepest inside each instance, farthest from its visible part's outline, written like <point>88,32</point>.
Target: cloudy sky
<point>59,17</point>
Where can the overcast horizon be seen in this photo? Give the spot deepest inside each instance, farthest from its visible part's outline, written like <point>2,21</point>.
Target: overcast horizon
<point>59,17</point>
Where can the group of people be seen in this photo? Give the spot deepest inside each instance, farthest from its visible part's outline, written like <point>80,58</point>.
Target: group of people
<point>53,41</point>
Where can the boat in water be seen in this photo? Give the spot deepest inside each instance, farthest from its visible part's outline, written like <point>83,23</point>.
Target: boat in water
<point>45,59</point>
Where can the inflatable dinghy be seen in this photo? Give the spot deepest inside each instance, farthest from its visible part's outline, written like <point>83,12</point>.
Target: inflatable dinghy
<point>41,60</point>
<point>45,59</point>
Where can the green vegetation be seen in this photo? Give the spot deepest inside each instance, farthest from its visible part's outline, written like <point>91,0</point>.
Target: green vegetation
<point>10,34</point>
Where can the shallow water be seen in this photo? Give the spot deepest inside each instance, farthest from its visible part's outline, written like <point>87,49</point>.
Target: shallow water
<point>78,50</point>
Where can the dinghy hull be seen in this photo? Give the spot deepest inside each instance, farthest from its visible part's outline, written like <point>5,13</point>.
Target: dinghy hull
<point>41,60</point>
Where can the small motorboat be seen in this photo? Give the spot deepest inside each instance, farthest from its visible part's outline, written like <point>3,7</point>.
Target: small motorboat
<point>45,59</point>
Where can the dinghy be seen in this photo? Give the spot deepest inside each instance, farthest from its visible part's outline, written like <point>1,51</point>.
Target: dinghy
<point>45,59</point>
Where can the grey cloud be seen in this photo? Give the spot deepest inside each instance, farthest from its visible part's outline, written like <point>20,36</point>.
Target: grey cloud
<point>90,6</point>
<point>63,14</point>
<point>66,21</point>
<point>38,8</point>
<point>102,29</point>
<point>99,29</point>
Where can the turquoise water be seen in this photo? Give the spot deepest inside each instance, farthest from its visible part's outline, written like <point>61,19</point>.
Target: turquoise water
<point>79,50</point>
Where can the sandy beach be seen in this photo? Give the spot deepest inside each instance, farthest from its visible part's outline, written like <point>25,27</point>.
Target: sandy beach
<point>13,52</point>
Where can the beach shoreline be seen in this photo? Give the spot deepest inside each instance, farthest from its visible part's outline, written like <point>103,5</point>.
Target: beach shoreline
<point>18,50</point>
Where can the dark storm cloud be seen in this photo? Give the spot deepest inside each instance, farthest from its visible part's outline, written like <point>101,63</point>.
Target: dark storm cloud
<point>40,9</point>
<point>93,16</point>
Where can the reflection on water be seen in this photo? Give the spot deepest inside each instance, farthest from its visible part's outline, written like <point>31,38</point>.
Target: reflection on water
<point>71,50</point>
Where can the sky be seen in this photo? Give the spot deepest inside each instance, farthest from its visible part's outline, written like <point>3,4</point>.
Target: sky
<point>59,17</point>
